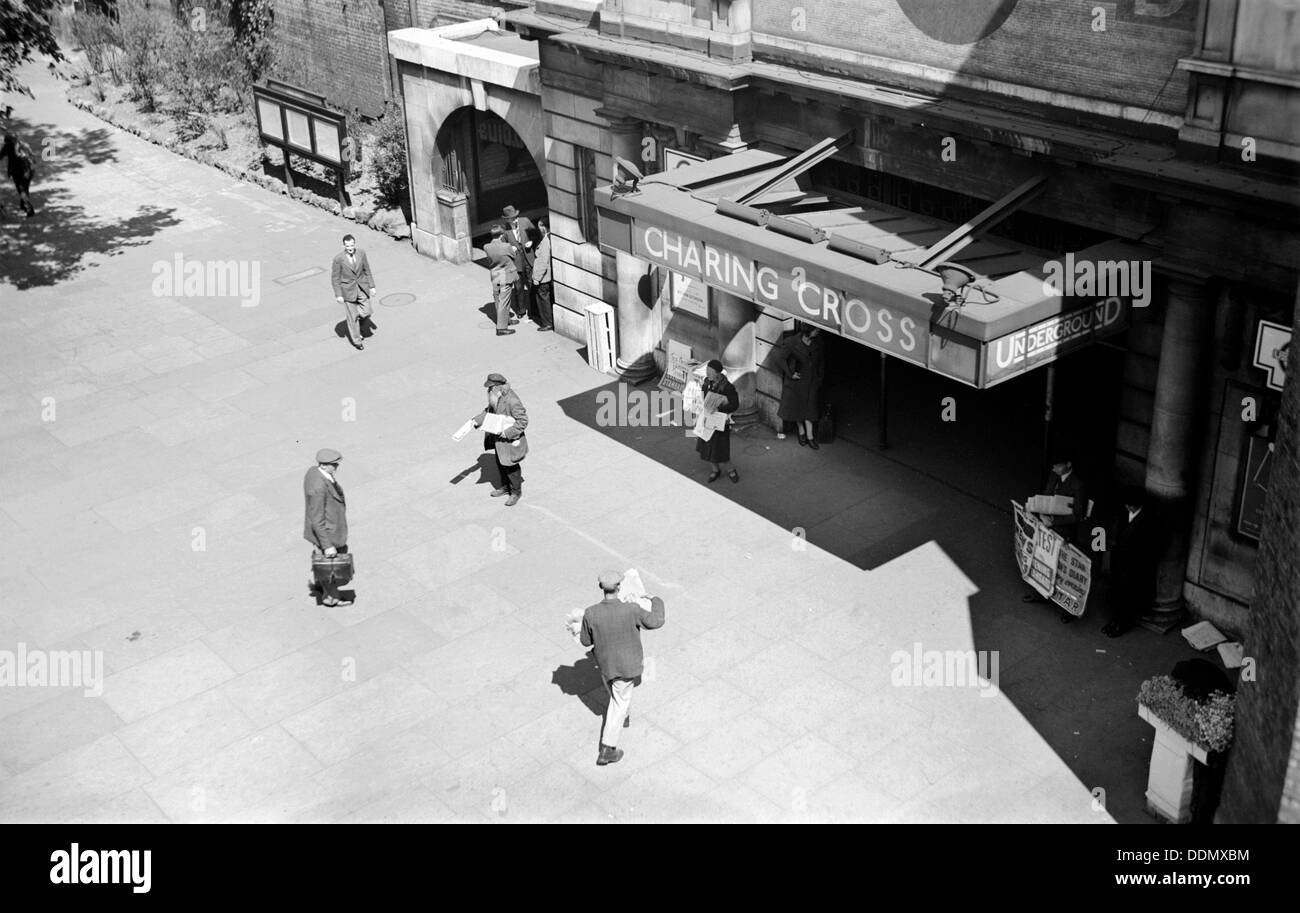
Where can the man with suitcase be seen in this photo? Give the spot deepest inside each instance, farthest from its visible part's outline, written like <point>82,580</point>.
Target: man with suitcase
<point>326,523</point>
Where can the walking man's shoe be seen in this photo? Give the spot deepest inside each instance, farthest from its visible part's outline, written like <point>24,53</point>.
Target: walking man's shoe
<point>545,329</point>
<point>505,332</point>
<point>512,500</point>
<point>627,721</point>
<point>499,492</point>
<point>359,346</point>
<point>329,601</point>
<point>609,756</point>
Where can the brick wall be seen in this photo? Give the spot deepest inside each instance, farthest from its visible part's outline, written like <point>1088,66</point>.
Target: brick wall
<point>339,47</point>
<point>1263,778</point>
<point>433,13</point>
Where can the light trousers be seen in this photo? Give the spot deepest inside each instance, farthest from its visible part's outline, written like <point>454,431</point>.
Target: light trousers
<point>356,310</point>
<point>620,702</point>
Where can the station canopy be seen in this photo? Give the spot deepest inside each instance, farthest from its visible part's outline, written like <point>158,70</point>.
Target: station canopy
<point>750,224</point>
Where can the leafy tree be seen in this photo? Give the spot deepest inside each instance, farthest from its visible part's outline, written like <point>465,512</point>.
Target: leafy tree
<point>26,29</point>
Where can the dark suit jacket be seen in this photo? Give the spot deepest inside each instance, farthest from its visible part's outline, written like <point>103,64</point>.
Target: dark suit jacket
<point>501,262</point>
<point>326,522</point>
<point>1133,564</point>
<point>351,283</point>
<point>522,236</point>
<point>1072,487</point>
<point>614,628</point>
<point>510,447</point>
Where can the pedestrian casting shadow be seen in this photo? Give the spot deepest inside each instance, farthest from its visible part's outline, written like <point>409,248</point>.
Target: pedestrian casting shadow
<point>54,245</point>
<point>486,467</point>
<point>582,679</point>
<point>341,330</point>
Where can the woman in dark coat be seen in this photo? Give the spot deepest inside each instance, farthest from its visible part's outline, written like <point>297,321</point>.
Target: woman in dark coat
<point>717,449</point>
<point>803,369</point>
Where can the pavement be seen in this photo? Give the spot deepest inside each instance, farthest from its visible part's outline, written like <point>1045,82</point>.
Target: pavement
<point>152,450</point>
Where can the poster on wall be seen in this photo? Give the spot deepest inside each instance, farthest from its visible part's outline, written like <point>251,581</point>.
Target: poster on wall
<point>1055,569</point>
<point>690,295</point>
<point>1253,490</point>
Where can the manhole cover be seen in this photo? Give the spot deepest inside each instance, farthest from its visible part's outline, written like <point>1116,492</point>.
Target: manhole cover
<point>397,300</point>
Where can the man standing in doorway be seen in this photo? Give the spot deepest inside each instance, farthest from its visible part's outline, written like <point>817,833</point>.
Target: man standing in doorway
<point>1065,482</point>
<point>351,277</point>
<point>613,627</point>
<point>325,524</point>
<point>1133,559</point>
<point>542,280</point>
<point>519,232</point>
<point>501,267</point>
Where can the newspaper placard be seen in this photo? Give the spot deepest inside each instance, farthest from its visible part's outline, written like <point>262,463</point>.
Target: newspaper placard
<point>1053,567</point>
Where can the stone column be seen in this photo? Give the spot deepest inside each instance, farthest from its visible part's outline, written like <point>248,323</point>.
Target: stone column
<point>736,343</point>
<point>1176,428</point>
<point>636,330</point>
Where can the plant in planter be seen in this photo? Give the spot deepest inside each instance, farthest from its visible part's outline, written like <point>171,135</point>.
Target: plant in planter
<point>1186,730</point>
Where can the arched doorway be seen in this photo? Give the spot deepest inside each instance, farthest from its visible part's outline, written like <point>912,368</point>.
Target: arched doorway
<point>481,156</point>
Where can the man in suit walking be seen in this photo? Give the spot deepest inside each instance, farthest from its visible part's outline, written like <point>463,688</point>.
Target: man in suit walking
<point>510,446</point>
<point>519,233</point>
<point>613,627</point>
<point>1132,565</point>
<point>501,265</point>
<point>351,277</point>
<point>325,524</point>
<point>542,279</point>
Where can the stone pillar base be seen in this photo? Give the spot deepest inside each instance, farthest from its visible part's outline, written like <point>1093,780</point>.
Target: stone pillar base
<point>637,371</point>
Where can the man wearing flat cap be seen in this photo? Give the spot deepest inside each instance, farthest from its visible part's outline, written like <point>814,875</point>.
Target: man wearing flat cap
<point>519,234</point>
<point>501,265</point>
<point>326,523</point>
<point>510,446</point>
<point>613,627</point>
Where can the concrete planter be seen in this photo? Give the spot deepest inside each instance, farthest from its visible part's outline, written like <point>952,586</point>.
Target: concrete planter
<point>1169,780</point>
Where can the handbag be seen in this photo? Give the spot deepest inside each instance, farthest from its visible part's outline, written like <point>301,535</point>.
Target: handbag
<point>826,426</point>
<point>511,452</point>
<point>337,569</point>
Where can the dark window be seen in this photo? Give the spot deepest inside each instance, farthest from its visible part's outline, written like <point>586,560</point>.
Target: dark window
<point>585,159</point>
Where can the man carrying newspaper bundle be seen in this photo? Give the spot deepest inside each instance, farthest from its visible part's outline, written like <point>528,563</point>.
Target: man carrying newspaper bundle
<point>613,626</point>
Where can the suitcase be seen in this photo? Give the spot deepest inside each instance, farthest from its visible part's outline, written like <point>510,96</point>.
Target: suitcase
<point>338,569</point>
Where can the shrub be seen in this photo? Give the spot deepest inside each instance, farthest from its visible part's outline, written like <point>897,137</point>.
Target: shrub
<point>1207,724</point>
<point>388,156</point>
<point>142,40</point>
<point>95,33</point>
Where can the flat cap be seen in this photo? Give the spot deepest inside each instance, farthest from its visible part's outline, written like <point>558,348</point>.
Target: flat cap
<point>494,379</point>
<point>328,456</point>
<point>609,580</point>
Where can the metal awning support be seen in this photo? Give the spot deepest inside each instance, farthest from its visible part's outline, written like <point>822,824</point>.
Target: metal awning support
<point>963,235</point>
<point>796,166</point>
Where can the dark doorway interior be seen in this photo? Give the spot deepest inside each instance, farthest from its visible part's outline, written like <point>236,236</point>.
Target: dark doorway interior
<point>996,446</point>
<point>483,157</point>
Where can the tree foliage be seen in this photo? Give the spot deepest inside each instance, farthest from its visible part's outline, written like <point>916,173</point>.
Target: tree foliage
<point>26,29</point>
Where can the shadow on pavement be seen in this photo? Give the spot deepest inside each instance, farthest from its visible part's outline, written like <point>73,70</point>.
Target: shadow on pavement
<point>52,246</point>
<point>1076,687</point>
